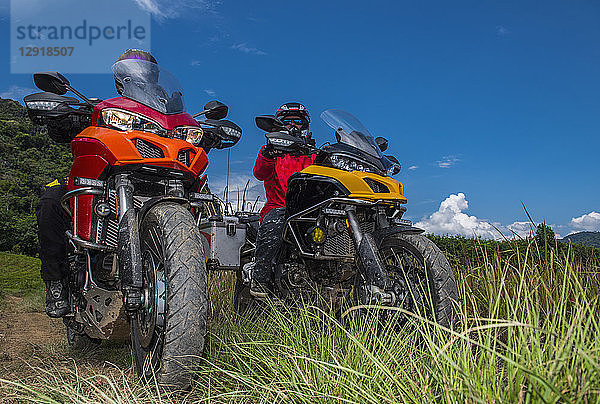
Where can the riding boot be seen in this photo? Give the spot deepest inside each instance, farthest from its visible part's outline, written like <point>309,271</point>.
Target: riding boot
<point>57,298</point>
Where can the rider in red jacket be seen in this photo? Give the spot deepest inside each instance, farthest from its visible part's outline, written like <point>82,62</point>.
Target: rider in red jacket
<point>275,170</point>
<point>275,173</point>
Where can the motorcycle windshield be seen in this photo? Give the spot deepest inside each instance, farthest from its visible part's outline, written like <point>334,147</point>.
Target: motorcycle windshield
<point>149,84</point>
<point>349,130</point>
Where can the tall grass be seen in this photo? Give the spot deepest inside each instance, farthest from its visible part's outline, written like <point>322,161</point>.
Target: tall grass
<point>528,332</point>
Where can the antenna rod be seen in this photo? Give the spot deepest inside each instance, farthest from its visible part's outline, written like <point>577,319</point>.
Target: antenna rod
<point>228,158</point>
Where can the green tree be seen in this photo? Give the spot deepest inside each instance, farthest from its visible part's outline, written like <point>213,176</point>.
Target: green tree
<point>29,159</point>
<point>545,237</point>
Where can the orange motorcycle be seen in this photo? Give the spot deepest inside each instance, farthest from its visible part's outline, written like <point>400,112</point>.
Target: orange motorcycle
<point>137,260</point>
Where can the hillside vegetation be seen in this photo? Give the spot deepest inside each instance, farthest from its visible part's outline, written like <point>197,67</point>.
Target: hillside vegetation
<point>589,238</point>
<point>29,159</point>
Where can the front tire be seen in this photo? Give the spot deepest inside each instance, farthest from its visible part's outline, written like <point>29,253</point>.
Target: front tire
<point>421,277</point>
<point>168,331</point>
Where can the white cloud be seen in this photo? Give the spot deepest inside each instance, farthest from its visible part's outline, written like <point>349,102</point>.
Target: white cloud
<point>501,30</point>
<point>448,161</point>
<point>450,219</point>
<point>237,185</point>
<point>150,6</point>
<point>195,63</point>
<point>413,167</point>
<point>165,9</point>
<point>588,222</point>
<point>522,229</point>
<point>210,92</point>
<point>17,93</point>
<point>243,47</point>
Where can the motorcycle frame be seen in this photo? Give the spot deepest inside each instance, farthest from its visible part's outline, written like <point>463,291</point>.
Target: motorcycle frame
<point>303,217</point>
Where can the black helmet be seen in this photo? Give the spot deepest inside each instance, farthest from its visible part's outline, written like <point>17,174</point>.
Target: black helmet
<point>295,109</point>
<point>151,71</point>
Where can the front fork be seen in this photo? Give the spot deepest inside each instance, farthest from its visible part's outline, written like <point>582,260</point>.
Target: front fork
<point>371,268</point>
<point>129,252</point>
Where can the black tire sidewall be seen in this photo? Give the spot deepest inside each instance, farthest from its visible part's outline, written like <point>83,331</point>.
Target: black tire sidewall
<point>186,307</point>
<point>440,277</point>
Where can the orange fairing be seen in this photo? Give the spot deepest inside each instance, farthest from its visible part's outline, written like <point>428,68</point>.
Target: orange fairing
<point>96,148</point>
<point>122,146</point>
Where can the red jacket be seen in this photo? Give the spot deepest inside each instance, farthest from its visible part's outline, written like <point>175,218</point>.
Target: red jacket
<point>275,173</point>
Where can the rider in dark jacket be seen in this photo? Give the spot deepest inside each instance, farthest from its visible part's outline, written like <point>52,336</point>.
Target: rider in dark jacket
<point>53,221</point>
<point>274,169</point>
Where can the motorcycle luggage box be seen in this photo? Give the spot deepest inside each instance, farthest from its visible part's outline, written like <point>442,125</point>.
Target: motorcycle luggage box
<point>223,238</point>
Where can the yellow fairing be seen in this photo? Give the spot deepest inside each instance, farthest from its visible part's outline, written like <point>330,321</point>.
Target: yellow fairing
<point>359,189</point>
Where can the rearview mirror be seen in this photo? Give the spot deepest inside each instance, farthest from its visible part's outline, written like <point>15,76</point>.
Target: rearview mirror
<point>52,82</point>
<point>269,123</point>
<point>382,143</point>
<point>215,110</point>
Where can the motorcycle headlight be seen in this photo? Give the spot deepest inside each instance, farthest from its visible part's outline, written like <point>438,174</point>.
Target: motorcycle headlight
<point>393,170</point>
<point>348,164</point>
<point>191,134</point>
<point>128,121</point>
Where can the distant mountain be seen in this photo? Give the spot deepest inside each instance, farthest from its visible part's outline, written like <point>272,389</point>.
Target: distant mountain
<point>589,238</point>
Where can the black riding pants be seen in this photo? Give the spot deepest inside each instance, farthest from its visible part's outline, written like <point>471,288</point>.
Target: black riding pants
<point>268,245</point>
<point>53,221</point>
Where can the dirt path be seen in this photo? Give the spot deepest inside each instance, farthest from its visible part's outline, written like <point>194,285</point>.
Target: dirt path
<point>22,334</point>
<point>24,337</point>
<point>31,340</point>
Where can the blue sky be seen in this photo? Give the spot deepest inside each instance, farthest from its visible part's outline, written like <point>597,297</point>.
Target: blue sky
<point>494,103</point>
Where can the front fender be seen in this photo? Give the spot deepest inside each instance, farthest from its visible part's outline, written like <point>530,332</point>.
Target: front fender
<point>380,234</point>
<point>159,199</point>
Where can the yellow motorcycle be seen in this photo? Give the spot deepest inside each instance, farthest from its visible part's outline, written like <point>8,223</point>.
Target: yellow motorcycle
<point>345,239</point>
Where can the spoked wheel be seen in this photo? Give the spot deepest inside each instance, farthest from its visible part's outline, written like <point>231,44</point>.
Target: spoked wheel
<point>421,279</point>
<point>168,331</point>
<point>149,322</point>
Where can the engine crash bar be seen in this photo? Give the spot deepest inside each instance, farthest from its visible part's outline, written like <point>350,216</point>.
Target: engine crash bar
<point>78,241</point>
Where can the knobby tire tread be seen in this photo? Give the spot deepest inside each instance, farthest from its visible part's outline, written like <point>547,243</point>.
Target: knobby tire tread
<point>187,294</point>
